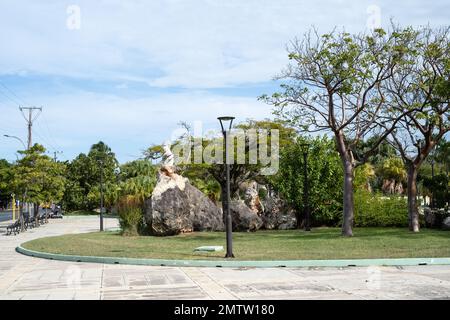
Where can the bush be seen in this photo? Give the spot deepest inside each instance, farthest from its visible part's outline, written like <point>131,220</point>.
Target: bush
<point>130,213</point>
<point>325,179</point>
<point>437,188</point>
<point>327,214</point>
<point>375,210</point>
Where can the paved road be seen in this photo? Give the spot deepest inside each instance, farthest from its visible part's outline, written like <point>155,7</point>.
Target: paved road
<point>5,215</point>
<point>23,277</point>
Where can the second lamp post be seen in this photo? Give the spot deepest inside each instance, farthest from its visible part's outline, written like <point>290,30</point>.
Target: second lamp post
<point>228,221</point>
<point>101,193</point>
<point>305,149</point>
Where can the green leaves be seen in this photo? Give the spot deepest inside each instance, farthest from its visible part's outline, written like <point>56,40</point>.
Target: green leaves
<point>84,174</point>
<point>324,175</point>
<point>137,178</point>
<point>37,178</point>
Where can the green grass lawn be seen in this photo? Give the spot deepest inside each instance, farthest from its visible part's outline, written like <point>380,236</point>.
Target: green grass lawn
<point>322,243</point>
<point>87,213</point>
<point>81,213</point>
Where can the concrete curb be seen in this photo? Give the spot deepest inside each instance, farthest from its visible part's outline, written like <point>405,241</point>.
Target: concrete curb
<point>239,263</point>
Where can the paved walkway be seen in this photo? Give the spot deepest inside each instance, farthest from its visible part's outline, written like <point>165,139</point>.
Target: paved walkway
<point>23,277</point>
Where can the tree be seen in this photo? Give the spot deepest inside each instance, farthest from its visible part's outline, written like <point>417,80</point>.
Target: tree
<point>364,174</point>
<point>334,84</point>
<point>84,174</point>
<point>214,174</point>
<point>37,178</point>
<point>5,178</point>
<point>383,151</point>
<point>78,183</point>
<point>137,179</point>
<point>442,155</point>
<point>392,173</point>
<point>420,90</point>
<point>324,179</point>
<point>438,186</point>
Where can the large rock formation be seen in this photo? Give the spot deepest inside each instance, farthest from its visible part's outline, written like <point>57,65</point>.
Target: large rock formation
<point>176,206</point>
<point>274,212</point>
<point>278,215</point>
<point>243,218</point>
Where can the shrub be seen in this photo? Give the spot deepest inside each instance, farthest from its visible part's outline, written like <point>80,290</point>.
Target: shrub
<point>375,210</point>
<point>325,179</point>
<point>437,188</point>
<point>130,213</point>
<point>327,214</point>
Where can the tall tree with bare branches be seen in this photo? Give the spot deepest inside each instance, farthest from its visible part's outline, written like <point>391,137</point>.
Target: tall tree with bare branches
<point>334,84</point>
<point>420,89</point>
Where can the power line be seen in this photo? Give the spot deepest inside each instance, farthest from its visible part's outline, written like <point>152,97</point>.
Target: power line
<point>20,100</point>
<point>30,119</point>
<point>44,141</point>
<point>14,103</point>
<point>44,136</point>
<point>50,133</point>
<point>55,151</point>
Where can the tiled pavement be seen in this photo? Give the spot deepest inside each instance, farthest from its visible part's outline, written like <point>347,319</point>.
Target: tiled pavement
<point>23,277</point>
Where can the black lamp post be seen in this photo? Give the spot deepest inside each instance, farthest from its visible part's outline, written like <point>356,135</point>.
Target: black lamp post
<point>228,221</point>
<point>305,148</point>
<point>101,194</point>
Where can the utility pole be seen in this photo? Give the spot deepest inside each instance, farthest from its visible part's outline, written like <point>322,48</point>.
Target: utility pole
<point>54,155</point>
<point>30,119</point>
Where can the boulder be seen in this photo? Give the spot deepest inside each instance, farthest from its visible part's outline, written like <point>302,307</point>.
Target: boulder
<point>207,216</point>
<point>277,215</point>
<point>446,224</point>
<point>176,207</point>
<point>243,218</point>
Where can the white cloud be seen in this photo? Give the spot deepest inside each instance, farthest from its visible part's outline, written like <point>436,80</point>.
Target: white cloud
<point>193,44</point>
<point>74,122</point>
<point>189,43</point>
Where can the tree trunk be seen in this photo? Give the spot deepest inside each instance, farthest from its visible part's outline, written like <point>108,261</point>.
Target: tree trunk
<point>348,165</point>
<point>349,206</point>
<point>36,214</point>
<point>21,217</point>
<point>413,212</point>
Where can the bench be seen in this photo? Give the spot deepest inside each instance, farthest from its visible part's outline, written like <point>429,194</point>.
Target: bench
<point>28,222</point>
<point>14,227</point>
<point>42,219</point>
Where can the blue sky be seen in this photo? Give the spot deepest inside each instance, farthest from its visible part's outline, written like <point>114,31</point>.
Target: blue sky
<point>134,69</point>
